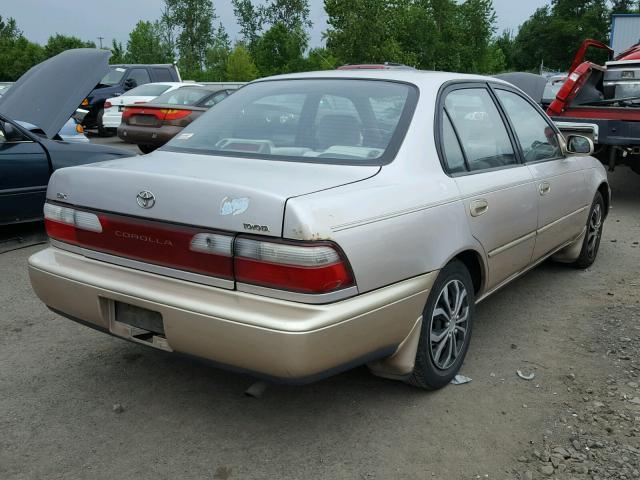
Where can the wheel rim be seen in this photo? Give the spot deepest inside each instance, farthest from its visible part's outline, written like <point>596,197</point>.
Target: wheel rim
<point>449,325</point>
<point>594,230</point>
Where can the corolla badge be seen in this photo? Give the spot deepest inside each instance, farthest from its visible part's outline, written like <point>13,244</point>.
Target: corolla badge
<point>146,199</point>
<point>234,206</point>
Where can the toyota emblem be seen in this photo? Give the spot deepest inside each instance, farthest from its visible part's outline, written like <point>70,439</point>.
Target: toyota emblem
<point>146,199</point>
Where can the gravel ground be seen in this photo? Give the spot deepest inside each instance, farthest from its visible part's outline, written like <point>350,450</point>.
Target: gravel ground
<point>75,403</point>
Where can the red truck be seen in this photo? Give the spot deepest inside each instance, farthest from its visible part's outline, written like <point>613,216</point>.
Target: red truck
<point>604,103</point>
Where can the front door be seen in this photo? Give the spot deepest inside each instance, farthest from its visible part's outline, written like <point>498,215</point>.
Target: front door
<point>24,174</point>
<point>498,192</point>
<point>560,181</point>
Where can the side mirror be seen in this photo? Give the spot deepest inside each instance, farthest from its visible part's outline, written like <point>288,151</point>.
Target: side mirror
<point>11,133</point>
<point>579,145</point>
<point>130,83</point>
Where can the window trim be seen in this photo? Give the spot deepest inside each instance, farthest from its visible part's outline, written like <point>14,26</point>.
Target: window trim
<point>494,86</point>
<point>444,91</point>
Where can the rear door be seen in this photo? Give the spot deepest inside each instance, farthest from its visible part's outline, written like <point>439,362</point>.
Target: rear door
<point>24,173</point>
<point>560,180</point>
<point>498,192</point>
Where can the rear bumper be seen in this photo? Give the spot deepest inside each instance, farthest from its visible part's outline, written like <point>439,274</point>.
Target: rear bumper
<point>610,132</point>
<point>141,135</point>
<point>111,119</point>
<point>272,338</point>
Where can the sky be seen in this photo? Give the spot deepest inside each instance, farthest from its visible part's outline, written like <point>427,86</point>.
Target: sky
<point>116,18</point>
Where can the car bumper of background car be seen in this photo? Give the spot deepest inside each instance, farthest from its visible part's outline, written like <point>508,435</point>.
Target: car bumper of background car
<point>277,339</point>
<point>141,135</point>
<point>111,119</point>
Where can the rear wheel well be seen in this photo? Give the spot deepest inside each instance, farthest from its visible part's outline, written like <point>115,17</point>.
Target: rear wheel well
<point>472,261</point>
<point>604,191</point>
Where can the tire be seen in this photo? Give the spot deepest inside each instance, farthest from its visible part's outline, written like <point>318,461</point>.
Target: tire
<point>146,148</point>
<point>593,235</point>
<point>102,131</point>
<point>435,364</point>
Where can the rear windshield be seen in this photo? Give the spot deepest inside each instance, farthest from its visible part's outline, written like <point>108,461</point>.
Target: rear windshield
<point>148,90</point>
<point>182,96</point>
<point>357,122</point>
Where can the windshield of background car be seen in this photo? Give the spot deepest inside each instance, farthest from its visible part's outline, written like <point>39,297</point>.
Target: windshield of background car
<point>182,96</point>
<point>114,76</point>
<point>147,90</point>
<point>355,122</point>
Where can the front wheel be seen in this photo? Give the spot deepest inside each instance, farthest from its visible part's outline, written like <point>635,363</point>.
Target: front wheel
<point>447,320</point>
<point>593,234</point>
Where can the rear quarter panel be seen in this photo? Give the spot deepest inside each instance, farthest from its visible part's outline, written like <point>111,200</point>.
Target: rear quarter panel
<point>405,221</point>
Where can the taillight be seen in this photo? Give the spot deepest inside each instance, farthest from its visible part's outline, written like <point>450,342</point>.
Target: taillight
<point>306,268</point>
<point>173,246</point>
<point>63,223</point>
<point>174,114</point>
<point>300,267</point>
<point>127,113</point>
<point>107,105</point>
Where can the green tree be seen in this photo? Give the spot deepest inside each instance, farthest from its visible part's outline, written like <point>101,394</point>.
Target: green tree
<point>193,20</point>
<point>320,59</point>
<point>566,23</point>
<point>118,52</point>
<point>250,19</point>
<point>217,56</point>
<point>59,43</point>
<point>624,6</point>
<point>240,66</point>
<point>17,54</point>
<point>280,50</point>
<point>145,45</point>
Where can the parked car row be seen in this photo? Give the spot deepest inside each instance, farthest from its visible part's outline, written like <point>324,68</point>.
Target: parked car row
<point>313,222</point>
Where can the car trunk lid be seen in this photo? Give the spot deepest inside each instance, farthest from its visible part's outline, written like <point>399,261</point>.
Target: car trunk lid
<point>222,193</point>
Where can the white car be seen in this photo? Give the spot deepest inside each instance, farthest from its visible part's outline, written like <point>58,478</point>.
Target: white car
<point>113,107</point>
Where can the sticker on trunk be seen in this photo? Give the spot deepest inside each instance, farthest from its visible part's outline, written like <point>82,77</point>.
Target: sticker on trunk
<point>234,206</point>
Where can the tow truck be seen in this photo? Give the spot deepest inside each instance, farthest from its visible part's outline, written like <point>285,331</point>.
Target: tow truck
<point>603,102</point>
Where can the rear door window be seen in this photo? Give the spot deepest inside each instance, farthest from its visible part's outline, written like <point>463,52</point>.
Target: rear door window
<point>483,135</point>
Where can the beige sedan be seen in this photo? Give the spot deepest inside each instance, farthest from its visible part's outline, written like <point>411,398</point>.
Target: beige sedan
<point>314,222</point>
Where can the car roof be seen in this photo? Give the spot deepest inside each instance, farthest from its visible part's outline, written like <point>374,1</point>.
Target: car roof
<point>420,78</point>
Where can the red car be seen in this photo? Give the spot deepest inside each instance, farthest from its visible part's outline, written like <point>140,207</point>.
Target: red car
<point>155,123</point>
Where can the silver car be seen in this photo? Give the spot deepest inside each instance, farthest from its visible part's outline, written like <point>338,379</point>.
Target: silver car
<point>314,222</point>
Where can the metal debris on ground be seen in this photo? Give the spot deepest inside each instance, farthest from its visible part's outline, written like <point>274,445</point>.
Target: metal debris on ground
<point>526,376</point>
<point>460,380</point>
<point>256,390</point>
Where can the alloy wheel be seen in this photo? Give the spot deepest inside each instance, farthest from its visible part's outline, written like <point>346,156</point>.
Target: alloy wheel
<point>594,230</point>
<point>449,325</point>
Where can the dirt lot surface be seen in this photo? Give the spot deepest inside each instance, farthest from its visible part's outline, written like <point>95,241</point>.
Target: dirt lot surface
<point>577,331</point>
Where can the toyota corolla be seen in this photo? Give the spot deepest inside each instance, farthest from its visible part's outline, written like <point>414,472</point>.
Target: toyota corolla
<point>314,222</point>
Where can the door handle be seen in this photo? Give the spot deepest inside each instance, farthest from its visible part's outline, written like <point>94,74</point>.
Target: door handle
<point>478,207</point>
<point>544,188</point>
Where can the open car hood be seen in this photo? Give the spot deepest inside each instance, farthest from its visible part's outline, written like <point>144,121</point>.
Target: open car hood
<point>49,93</point>
<point>530,83</point>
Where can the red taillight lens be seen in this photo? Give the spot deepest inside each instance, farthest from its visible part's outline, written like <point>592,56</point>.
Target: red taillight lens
<point>183,248</point>
<point>305,268</point>
<point>107,105</point>
<point>173,114</point>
